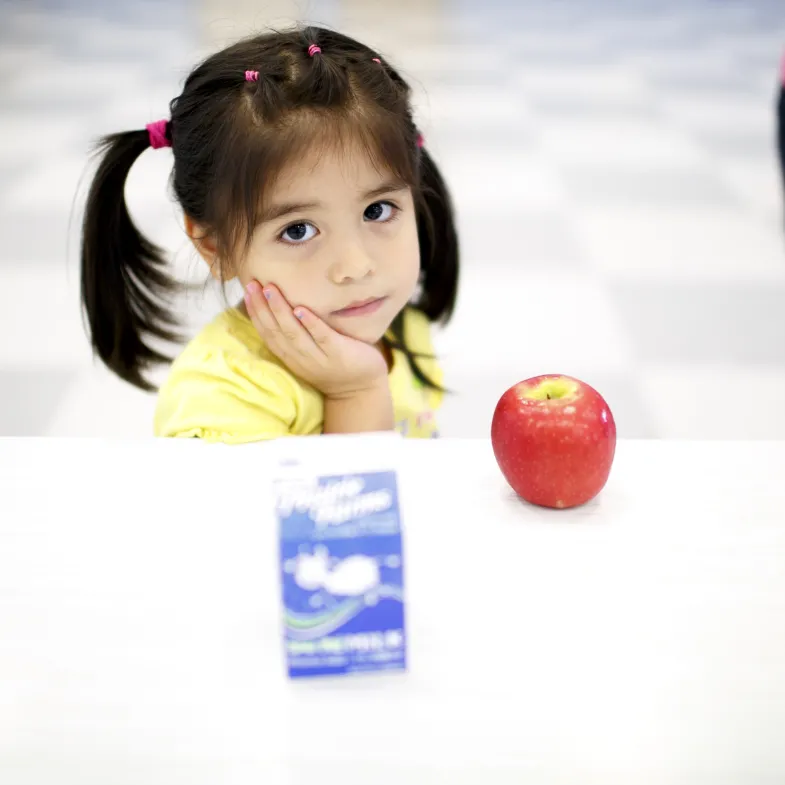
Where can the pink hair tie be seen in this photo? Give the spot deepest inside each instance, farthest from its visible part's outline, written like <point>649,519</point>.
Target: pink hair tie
<point>420,140</point>
<point>251,76</point>
<point>377,60</point>
<point>157,133</point>
<point>313,49</point>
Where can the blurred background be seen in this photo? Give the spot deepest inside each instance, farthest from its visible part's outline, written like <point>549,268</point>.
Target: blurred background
<point>613,166</point>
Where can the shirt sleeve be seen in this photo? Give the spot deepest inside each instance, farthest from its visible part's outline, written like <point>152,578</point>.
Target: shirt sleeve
<point>224,398</point>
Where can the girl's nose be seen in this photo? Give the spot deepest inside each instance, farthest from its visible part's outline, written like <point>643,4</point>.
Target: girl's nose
<point>352,265</point>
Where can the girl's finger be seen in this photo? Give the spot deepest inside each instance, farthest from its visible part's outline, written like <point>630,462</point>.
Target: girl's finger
<point>322,335</point>
<point>260,314</point>
<point>291,329</point>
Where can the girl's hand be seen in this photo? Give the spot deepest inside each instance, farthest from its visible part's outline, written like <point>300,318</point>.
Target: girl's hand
<point>336,365</point>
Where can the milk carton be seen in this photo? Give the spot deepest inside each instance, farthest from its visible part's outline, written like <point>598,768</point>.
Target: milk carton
<point>337,506</point>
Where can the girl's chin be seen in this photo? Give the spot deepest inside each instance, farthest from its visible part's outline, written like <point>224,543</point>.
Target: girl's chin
<point>366,334</point>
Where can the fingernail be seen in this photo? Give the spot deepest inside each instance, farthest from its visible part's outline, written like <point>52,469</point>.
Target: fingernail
<point>267,293</point>
<point>299,313</point>
<point>250,290</point>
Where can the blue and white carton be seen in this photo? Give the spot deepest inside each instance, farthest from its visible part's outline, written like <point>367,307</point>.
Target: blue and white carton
<point>341,555</point>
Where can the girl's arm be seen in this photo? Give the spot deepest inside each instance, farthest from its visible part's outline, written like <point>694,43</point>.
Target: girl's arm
<point>360,412</point>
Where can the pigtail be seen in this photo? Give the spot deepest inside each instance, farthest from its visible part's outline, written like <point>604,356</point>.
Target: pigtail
<point>438,244</point>
<point>439,259</point>
<point>123,282</point>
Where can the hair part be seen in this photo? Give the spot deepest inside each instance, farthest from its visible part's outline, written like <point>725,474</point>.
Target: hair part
<point>231,138</point>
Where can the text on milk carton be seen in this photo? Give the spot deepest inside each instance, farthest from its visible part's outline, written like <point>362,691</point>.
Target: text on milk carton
<point>342,573</point>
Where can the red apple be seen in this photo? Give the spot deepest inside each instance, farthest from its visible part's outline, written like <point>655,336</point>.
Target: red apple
<point>554,438</point>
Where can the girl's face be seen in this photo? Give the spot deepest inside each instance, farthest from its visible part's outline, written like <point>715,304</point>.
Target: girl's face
<point>337,234</point>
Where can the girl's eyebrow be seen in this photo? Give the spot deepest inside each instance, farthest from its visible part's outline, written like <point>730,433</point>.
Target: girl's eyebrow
<point>389,186</point>
<point>276,211</point>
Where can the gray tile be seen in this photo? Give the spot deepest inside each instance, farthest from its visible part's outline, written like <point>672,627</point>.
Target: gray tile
<point>706,85</point>
<point>18,100</point>
<point>10,170</point>
<point>603,186</point>
<point>740,143</point>
<point>759,58</point>
<point>568,104</point>
<point>533,54</point>
<point>37,238</point>
<point>705,323</point>
<point>638,39</point>
<point>30,398</point>
<point>491,76</point>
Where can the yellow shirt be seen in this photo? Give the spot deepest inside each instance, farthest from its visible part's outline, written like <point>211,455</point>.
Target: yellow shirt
<point>228,387</point>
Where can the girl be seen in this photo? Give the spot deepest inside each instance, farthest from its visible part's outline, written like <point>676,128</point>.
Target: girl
<point>299,171</point>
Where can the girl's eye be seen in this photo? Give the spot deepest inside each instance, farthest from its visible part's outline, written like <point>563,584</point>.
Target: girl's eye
<point>380,212</point>
<point>296,234</point>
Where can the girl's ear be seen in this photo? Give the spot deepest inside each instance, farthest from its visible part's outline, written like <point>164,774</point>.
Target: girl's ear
<point>205,246</point>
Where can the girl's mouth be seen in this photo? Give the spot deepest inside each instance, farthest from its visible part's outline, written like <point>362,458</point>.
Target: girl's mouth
<point>361,307</point>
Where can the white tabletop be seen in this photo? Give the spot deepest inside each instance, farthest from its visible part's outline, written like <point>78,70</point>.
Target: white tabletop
<point>640,639</point>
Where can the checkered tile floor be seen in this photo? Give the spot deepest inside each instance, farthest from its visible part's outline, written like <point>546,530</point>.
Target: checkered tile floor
<point>613,165</point>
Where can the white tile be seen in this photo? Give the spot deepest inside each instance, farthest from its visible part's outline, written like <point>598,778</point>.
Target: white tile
<point>69,77</point>
<point>100,405</point>
<point>479,178</point>
<point>509,237</point>
<point>29,139</point>
<point>51,185</point>
<point>758,185</point>
<point>444,104</point>
<point>689,244</point>
<point>533,323</point>
<point>738,113</point>
<point>684,59</point>
<point>600,81</point>
<point>619,142</point>
<point>40,319</point>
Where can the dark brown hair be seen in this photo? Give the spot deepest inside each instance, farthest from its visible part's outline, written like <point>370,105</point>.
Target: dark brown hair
<point>230,137</point>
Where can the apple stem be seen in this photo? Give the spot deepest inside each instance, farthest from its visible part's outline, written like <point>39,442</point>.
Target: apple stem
<point>548,396</point>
